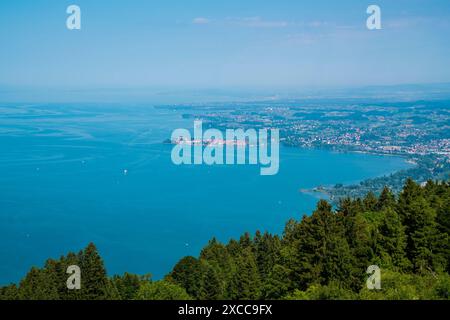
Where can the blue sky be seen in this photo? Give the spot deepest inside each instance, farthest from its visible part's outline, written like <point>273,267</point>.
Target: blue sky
<point>220,44</point>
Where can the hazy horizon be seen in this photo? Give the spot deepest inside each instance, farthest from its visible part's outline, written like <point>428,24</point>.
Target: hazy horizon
<point>180,95</point>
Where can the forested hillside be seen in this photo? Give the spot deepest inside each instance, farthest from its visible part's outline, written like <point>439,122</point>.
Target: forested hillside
<point>321,256</point>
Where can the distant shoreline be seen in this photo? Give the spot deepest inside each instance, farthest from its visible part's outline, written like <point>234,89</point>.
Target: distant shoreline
<point>326,191</point>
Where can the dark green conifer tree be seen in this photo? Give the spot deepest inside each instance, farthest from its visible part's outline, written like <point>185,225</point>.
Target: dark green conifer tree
<point>211,284</point>
<point>94,281</point>
<point>370,202</point>
<point>322,250</point>
<point>10,292</point>
<point>245,283</point>
<point>128,285</point>
<point>386,200</point>
<point>188,274</point>
<point>38,285</point>
<point>391,241</point>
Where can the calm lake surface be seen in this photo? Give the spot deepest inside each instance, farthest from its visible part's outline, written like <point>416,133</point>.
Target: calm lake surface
<point>63,185</point>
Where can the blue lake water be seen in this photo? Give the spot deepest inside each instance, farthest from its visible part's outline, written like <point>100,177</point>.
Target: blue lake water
<point>62,185</point>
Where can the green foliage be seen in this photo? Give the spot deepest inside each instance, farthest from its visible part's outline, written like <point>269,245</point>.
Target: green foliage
<point>386,199</point>
<point>187,273</point>
<point>401,286</point>
<point>370,202</point>
<point>94,276</point>
<point>245,283</point>
<point>332,291</point>
<point>38,285</point>
<point>9,292</point>
<point>128,285</point>
<point>277,284</point>
<point>211,284</point>
<point>391,241</point>
<point>49,282</point>
<point>321,249</point>
<point>426,242</point>
<point>161,290</point>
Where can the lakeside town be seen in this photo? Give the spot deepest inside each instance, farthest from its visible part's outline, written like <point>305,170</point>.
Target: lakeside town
<point>418,131</point>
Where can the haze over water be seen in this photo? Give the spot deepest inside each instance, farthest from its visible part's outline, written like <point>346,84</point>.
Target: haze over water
<point>72,174</point>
